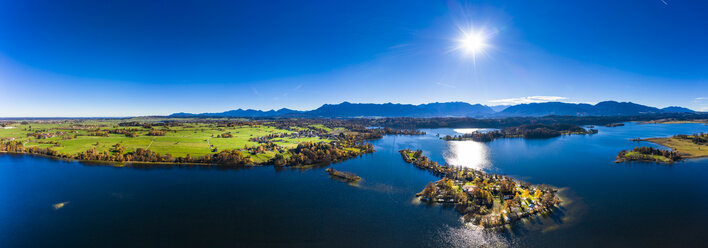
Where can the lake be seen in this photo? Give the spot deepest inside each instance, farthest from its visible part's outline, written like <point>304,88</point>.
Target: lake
<point>47,202</point>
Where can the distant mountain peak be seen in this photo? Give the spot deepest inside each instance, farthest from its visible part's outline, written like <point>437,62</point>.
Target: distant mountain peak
<point>677,109</point>
<point>604,108</point>
<point>347,109</point>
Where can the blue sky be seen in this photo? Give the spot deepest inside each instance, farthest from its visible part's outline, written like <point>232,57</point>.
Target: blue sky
<point>127,58</point>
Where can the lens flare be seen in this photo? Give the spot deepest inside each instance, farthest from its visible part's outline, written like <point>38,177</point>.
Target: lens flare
<point>472,43</point>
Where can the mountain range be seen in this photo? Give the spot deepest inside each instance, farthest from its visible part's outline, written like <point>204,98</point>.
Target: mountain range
<point>452,109</point>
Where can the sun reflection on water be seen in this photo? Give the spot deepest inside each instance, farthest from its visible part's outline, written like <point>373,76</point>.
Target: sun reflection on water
<point>470,130</point>
<point>467,236</point>
<point>469,154</point>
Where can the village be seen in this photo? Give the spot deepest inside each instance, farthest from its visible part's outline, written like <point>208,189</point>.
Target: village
<point>485,200</point>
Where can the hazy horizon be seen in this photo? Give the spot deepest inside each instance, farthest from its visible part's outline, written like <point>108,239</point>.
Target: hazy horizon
<point>304,110</point>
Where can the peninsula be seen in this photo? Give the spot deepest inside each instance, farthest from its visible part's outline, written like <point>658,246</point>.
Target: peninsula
<point>235,142</point>
<point>530,131</point>
<point>486,200</point>
<point>683,147</point>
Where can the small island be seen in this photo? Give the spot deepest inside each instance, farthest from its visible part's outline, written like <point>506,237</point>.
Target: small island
<point>531,131</point>
<point>683,147</point>
<point>485,200</point>
<point>614,125</point>
<point>343,175</point>
<point>648,154</point>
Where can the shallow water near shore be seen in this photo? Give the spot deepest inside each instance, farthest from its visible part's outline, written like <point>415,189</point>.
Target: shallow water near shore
<point>605,204</point>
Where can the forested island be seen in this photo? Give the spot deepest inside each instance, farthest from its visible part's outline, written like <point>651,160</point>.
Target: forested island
<point>530,131</point>
<point>648,154</point>
<point>614,125</point>
<point>683,147</point>
<point>236,142</point>
<point>486,200</point>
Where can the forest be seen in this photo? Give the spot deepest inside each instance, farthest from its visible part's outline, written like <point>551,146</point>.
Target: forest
<point>529,131</point>
<point>698,139</point>
<point>465,122</point>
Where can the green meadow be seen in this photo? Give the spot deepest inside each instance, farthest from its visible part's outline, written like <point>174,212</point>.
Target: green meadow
<point>195,139</point>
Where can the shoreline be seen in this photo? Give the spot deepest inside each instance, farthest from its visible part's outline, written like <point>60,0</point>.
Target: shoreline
<point>168,163</point>
<point>671,121</point>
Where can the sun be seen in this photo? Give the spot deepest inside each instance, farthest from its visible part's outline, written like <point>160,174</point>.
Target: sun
<point>472,43</point>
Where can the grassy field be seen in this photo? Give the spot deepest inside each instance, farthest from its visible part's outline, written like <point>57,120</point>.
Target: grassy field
<point>195,139</point>
<point>686,148</point>
<point>645,157</point>
<point>672,121</point>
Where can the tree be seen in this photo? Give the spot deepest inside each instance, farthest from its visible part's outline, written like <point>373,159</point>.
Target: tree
<point>526,193</point>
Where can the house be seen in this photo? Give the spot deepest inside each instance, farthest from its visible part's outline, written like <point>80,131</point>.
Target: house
<point>467,188</point>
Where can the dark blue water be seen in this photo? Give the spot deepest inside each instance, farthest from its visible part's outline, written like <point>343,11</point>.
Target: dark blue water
<point>607,204</point>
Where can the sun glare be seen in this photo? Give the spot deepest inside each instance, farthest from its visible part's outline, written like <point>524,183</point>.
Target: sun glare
<point>472,43</point>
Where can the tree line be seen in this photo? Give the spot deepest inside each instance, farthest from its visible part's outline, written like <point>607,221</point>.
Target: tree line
<point>698,139</point>
<point>644,153</point>
<point>530,131</point>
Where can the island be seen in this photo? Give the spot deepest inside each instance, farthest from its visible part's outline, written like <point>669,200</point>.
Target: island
<point>648,154</point>
<point>221,141</point>
<point>614,125</point>
<point>530,131</point>
<point>484,199</point>
<point>343,175</point>
<point>683,147</point>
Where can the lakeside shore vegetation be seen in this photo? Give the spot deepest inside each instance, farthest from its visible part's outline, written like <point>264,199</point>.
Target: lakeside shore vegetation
<point>531,131</point>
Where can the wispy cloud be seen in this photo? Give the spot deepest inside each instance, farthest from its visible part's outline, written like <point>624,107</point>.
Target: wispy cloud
<point>528,99</point>
<point>446,85</point>
<point>665,3</point>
